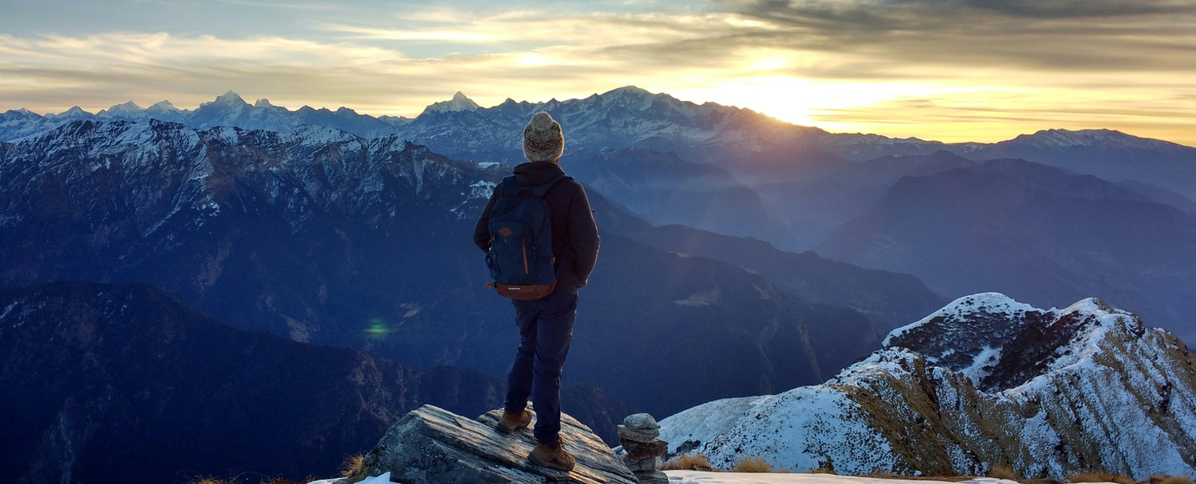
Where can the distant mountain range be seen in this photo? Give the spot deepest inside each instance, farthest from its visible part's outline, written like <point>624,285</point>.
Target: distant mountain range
<point>889,299</point>
<point>1038,233</point>
<point>802,172</point>
<point>665,189</point>
<point>334,239</point>
<point>227,110</point>
<point>984,382</point>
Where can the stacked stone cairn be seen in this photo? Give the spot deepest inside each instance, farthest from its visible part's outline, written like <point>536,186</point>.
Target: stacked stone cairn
<point>644,450</point>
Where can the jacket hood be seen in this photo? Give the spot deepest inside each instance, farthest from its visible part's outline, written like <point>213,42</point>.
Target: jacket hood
<point>533,174</point>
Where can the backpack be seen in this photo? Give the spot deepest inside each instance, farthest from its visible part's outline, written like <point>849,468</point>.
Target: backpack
<point>520,256</point>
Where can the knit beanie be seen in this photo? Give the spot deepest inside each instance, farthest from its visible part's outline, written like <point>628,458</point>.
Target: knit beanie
<point>542,139</point>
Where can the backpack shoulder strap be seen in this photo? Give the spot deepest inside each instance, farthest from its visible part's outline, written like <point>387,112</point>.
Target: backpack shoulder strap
<point>539,191</point>
<point>510,187</point>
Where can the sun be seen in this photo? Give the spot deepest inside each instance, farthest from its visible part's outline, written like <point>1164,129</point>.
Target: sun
<point>791,99</point>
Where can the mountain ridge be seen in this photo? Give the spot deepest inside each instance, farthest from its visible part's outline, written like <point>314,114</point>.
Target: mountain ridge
<point>1053,393</point>
<point>1047,137</point>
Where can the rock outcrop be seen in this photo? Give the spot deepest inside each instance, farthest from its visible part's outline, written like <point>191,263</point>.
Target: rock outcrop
<point>431,445</point>
<point>985,381</point>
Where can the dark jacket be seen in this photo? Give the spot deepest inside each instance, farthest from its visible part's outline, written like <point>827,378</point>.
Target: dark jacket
<point>574,234</point>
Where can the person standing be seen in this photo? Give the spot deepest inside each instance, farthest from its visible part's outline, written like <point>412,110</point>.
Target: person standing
<point>545,324</point>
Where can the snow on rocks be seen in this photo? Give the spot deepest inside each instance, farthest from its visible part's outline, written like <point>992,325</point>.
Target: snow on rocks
<point>695,477</point>
<point>171,170</point>
<point>993,303</point>
<point>985,381</point>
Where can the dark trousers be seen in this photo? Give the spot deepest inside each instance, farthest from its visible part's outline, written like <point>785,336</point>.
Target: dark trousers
<point>545,330</point>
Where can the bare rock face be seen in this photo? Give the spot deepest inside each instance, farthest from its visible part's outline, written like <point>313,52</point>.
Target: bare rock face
<point>431,445</point>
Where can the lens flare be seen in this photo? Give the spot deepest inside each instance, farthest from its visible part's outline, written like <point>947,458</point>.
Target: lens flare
<point>377,329</point>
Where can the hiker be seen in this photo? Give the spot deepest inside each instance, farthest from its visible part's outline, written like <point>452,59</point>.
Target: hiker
<point>545,323</point>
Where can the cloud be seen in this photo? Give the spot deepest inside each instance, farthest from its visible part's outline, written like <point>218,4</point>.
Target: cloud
<point>1061,35</point>
<point>948,69</point>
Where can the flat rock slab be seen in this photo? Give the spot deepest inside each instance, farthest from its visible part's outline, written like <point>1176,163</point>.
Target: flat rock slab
<point>643,436</point>
<point>431,445</point>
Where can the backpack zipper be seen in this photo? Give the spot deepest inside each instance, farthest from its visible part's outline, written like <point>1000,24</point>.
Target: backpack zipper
<point>523,244</point>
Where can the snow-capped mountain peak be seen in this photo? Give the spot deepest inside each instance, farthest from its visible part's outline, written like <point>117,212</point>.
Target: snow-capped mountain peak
<point>631,97</point>
<point>459,102</point>
<point>1000,343</point>
<point>74,112</point>
<point>263,103</point>
<point>1086,138</point>
<point>228,99</point>
<point>163,106</point>
<point>627,91</point>
<point>1059,392</point>
<point>125,109</point>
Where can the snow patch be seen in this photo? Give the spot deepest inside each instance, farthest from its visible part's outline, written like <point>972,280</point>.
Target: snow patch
<point>382,479</point>
<point>8,309</point>
<point>481,189</point>
<point>982,364</point>
<point>412,309</point>
<point>704,298</point>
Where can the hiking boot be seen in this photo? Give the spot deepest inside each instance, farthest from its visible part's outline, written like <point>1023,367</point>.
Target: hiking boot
<point>551,455</point>
<point>511,422</point>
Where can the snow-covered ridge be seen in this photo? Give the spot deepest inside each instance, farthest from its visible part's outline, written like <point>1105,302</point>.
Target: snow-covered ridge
<point>1059,392</point>
<point>176,176</point>
<point>697,477</point>
<point>970,335</point>
<point>1061,138</point>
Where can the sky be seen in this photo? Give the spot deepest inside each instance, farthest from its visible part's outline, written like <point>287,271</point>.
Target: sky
<point>949,70</point>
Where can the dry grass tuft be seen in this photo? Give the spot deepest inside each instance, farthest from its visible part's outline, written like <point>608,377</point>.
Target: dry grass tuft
<point>213,480</point>
<point>688,462</point>
<point>752,464</point>
<point>881,475</point>
<point>351,464</point>
<point>237,479</point>
<point>1004,472</point>
<point>1100,477</point>
<point>823,470</point>
<point>1170,480</point>
<point>951,478</point>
